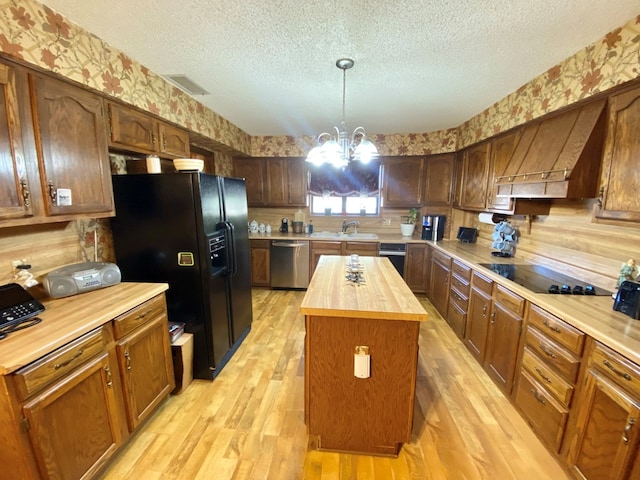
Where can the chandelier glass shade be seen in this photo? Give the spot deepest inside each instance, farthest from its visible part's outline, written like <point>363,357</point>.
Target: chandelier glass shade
<point>339,149</point>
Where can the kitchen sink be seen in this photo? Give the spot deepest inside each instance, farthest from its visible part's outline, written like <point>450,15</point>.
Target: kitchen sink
<point>364,236</point>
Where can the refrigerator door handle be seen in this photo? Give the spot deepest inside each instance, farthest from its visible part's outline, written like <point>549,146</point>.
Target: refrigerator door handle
<point>231,246</point>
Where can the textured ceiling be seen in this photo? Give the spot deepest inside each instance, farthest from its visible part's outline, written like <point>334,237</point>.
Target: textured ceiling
<point>420,65</point>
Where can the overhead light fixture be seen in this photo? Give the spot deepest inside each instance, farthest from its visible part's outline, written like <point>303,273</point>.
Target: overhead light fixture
<point>339,149</point>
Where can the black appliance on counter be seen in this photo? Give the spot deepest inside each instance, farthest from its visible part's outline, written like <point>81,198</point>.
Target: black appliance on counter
<point>433,227</point>
<point>628,299</point>
<point>541,279</point>
<point>189,230</point>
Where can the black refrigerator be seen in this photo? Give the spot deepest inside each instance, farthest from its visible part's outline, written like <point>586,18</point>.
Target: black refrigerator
<point>189,229</point>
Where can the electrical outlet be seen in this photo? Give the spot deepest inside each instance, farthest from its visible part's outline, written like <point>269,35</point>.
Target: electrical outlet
<point>386,221</point>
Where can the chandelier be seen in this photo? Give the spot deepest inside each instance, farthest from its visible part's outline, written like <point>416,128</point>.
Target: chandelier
<point>339,149</point>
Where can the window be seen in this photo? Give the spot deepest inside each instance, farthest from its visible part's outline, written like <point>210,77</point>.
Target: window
<point>352,191</point>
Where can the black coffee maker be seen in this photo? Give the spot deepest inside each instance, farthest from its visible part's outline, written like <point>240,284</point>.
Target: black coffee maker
<point>284,226</point>
<point>433,227</point>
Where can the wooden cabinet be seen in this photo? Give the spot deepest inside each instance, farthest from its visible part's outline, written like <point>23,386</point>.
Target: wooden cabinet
<point>607,429</point>
<point>505,327</point>
<point>317,248</point>
<point>402,184</point>
<point>15,196</point>
<point>620,173</point>
<point>478,315</point>
<point>136,131</point>
<point>415,267</point>
<point>502,149</point>
<point>475,176</point>
<point>458,297</point>
<point>273,182</point>
<point>439,180</point>
<point>364,249</point>
<point>550,362</point>
<point>144,357</point>
<point>260,263</point>
<point>439,281</point>
<point>71,142</point>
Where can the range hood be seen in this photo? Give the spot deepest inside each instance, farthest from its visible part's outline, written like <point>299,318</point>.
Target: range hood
<point>557,157</point>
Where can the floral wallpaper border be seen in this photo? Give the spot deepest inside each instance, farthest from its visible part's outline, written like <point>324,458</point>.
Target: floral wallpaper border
<point>33,33</point>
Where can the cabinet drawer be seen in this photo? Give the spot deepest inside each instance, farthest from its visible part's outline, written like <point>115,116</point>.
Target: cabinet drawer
<point>555,328</point>
<point>554,383</point>
<point>365,249</point>
<point>459,284</point>
<point>41,373</point>
<point>544,413</point>
<point>127,322</point>
<point>563,361</point>
<point>482,283</point>
<point>622,371</point>
<point>441,258</point>
<point>459,299</point>
<point>462,270</point>
<point>260,243</point>
<point>514,303</point>
<point>457,318</point>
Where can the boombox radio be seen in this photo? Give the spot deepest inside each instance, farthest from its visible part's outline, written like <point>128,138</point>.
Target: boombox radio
<point>81,277</point>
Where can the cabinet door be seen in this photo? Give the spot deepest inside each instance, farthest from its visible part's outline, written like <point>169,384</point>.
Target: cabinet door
<point>620,172</point>
<point>252,170</point>
<point>173,141</point>
<point>260,263</point>
<point>73,425</point>
<point>402,181</point>
<point>478,323</point>
<point>502,349</point>
<point>130,129</point>
<point>147,369</point>
<point>276,181</point>
<point>415,267</point>
<point>297,181</point>
<point>438,185</point>
<point>71,140</point>
<point>501,151</point>
<point>439,285</point>
<point>607,438</point>
<point>475,173</point>
<point>15,196</point>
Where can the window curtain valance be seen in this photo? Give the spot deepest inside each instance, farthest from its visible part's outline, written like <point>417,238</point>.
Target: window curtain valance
<point>356,179</point>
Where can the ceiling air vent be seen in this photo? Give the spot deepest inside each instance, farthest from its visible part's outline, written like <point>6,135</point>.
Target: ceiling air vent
<point>186,84</point>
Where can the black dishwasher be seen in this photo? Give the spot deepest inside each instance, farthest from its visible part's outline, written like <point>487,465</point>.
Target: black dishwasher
<point>395,252</point>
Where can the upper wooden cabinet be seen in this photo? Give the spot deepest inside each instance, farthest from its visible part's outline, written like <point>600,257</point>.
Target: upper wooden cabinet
<point>502,149</point>
<point>273,182</point>
<point>402,181</point>
<point>439,180</point>
<point>620,172</point>
<point>136,131</point>
<point>15,196</point>
<point>475,176</point>
<point>70,131</point>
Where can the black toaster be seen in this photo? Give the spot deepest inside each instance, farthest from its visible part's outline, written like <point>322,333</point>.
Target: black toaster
<point>628,299</point>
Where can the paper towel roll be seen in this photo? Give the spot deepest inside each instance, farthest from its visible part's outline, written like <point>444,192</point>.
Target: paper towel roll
<point>486,218</point>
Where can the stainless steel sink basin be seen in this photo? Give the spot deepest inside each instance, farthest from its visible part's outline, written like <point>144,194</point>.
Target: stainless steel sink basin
<point>364,236</point>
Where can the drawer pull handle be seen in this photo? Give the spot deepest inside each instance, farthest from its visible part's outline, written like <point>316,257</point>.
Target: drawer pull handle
<point>53,195</point>
<point>624,375</point>
<point>128,357</point>
<point>542,375</point>
<point>64,364</point>
<point>484,310</point>
<point>142,315</point>
<point>551,327</point>
<point>109,376</point>
<point>546,351</point>
<point>493,317</point>
<point>538,397</point>
<point>627,429</point>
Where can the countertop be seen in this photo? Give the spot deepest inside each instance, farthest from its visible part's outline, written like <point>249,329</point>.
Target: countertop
<point>382,296</point>
<point>65,319</point>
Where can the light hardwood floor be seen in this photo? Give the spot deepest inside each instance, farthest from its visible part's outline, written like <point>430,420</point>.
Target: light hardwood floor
<point>249,422</point>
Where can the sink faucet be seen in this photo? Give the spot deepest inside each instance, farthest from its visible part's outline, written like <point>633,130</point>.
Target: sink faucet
<point>346,225</point>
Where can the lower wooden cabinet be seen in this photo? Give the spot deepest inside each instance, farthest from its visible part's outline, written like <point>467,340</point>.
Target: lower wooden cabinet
<point>439,281</point>
<point>415,267</point>
<point>606,441</point>
<point>478,315</point>
<point>458,297</point>
<point>260,263</point>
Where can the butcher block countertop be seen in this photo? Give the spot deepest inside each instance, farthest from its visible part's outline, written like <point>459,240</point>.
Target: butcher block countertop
<point>66,319</point>
<point>383,296</point>
<point>594,315</point>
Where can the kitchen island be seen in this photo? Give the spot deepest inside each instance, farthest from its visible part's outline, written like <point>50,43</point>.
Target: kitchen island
<point>378,315</point>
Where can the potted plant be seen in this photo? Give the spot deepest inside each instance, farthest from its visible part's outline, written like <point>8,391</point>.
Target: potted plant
<point>408,224</point>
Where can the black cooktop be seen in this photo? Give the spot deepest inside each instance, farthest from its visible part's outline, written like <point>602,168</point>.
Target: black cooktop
<point>540,279</point>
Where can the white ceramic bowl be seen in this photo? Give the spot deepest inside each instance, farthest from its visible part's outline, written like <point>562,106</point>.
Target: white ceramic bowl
<point>188,164</point>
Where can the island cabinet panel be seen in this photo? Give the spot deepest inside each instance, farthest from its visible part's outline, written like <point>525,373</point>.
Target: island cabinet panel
<point>620,172</point>
<point>606,443</point>
<point>373,414</point>
<point>71,141</point>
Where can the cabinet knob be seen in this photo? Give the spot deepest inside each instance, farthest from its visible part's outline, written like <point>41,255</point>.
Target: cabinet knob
<point>52,193</point>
